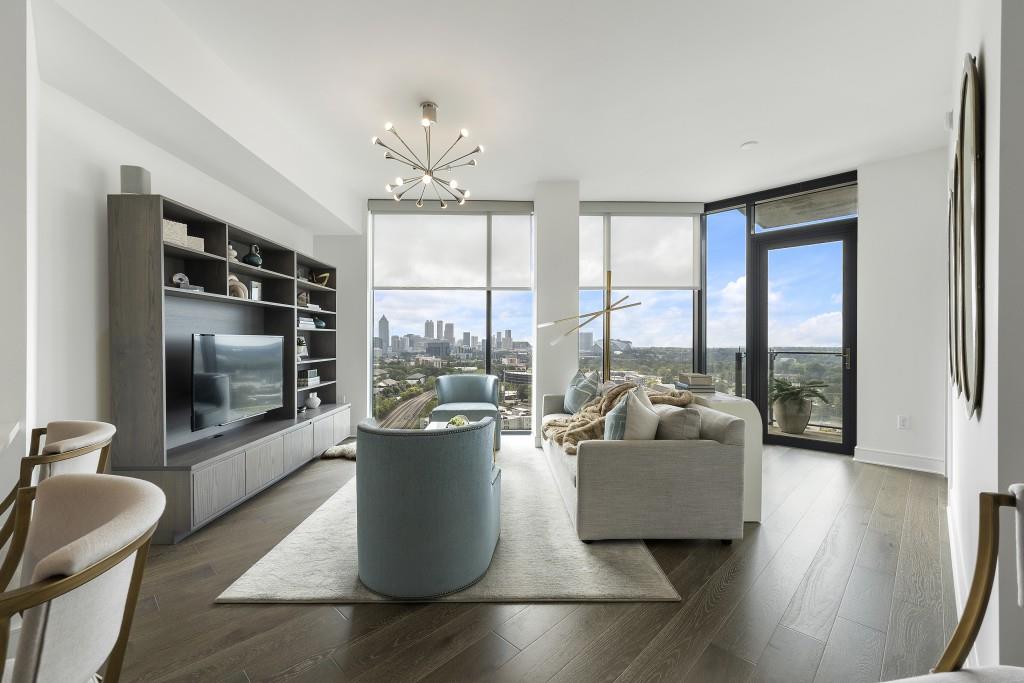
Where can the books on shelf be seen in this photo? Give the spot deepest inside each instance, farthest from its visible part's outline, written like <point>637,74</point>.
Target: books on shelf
<point>306,323</point>
<point>308,378</point>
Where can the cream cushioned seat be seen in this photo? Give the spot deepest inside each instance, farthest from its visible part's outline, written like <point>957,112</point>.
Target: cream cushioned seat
<point>77,521</point>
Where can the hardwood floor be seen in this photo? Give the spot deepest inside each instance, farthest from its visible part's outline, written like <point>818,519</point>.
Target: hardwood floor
<point>847,579</point>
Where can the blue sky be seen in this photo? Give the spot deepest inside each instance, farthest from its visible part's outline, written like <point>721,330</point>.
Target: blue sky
<point>805,290</point>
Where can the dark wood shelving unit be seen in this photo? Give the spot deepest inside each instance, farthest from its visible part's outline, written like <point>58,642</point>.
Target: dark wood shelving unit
<point>207,472</point>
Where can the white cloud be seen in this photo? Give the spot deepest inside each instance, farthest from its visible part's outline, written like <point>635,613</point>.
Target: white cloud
<point>825,329</point>
<point>837,298</point>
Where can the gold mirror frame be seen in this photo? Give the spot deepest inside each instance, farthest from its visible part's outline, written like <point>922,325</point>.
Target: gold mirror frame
<point>967,242</point>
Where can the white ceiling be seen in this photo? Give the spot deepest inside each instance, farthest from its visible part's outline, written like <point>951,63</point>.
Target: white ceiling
<point>636,100</point>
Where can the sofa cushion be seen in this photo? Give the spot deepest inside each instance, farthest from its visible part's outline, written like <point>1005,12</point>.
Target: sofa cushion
<point>580,391</point>
<point>641,421</point>
<point>615,422</point>
<point>677,423</point>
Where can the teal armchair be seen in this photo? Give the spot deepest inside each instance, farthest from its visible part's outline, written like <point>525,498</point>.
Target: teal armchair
<point>475,396</point>
<point>428,508</point>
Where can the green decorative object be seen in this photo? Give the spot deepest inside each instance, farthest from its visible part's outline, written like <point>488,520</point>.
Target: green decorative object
<point>458,421</point>
<point>254,257</point>
<point>320,323</point>
<point>791,403</point>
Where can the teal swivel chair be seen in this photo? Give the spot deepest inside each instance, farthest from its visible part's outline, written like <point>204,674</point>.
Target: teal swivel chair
<point>475,396</point>
<point>428,508</point>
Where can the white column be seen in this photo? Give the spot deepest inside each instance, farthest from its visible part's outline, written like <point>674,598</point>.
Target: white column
<point>17,211</point>
<point>349,254</point>
<point>556,287</point>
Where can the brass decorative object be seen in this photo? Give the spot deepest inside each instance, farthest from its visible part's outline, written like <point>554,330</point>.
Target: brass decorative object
<point>584,319</point>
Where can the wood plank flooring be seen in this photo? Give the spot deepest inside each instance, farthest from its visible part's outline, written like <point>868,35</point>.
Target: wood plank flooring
<point>847,579</point>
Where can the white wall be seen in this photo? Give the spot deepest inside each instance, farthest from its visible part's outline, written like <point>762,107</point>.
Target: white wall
<point>901,311</point>
<point>985,451</point>
<point>350,254</point>
<point>16,193</point>
<point>80,153</point>
<point>556,208</point>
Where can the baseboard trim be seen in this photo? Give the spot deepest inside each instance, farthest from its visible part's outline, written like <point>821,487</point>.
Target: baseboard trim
<point>961,581</point>
<point>905,461</point>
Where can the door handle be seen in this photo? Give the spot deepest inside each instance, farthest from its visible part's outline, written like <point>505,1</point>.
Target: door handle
<point>847,359</point>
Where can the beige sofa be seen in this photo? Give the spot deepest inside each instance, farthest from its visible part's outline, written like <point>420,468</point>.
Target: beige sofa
<point>689,488</point>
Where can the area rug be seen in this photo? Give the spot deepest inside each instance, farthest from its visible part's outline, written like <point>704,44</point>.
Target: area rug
<point>538,558</point>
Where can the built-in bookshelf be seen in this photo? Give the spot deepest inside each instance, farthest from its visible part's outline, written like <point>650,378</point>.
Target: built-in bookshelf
<point>153,318</point>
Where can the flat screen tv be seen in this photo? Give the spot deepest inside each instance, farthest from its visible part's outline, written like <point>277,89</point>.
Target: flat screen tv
<point>235,377</point>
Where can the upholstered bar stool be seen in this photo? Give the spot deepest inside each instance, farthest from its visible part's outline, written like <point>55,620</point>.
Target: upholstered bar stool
<point>82,541</point>
<point>71,446</point>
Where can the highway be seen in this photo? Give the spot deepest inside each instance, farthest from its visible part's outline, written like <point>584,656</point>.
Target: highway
<point>405,414</point>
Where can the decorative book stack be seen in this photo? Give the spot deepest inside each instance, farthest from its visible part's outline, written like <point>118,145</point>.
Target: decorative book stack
<point>309,378</point>
<point>697,383</point>
<point>306,323</point>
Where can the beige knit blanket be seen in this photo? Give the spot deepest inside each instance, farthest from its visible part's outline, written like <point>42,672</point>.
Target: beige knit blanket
<point>588,423</point>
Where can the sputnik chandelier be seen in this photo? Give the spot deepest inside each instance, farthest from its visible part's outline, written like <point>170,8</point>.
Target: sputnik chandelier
<point>427,175</point>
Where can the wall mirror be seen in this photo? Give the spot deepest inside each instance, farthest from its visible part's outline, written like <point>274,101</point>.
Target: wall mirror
<point>968,233</point>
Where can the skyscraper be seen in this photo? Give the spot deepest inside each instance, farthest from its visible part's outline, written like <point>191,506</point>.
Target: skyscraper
<point>384,332</point>
<point>586,342</point>
<point>466,340</point>
<point>396,343</point>
<point>474,341</point>
<point>428,329</point>
<point>439,330</point>
<point>449,332</point>
<point>508,340</point>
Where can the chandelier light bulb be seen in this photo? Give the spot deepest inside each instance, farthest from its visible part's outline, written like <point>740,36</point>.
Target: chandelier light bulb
<point>455,184</point>
<point>466,194</point>
<point>396,197</point>
<point>373,140</point>
<point>388,188</point>
<point>444,204</point>
<point>425,123</point>
<point>472,162</point>
<point>388,126</point>
<point>463,133</point>
<point>427,179</point>
<point>399,181</point>
<point>419,202</point>
<point>480,148</point>
<point>462,201</point>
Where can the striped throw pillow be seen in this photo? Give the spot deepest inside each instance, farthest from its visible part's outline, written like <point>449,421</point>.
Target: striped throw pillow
<point>615,422</point>
<point>580,391</point>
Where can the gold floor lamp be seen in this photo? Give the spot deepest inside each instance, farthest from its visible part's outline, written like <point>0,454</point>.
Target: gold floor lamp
<point>587,318</point>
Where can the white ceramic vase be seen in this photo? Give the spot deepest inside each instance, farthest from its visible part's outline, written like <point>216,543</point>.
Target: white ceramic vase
<point>312,401</point>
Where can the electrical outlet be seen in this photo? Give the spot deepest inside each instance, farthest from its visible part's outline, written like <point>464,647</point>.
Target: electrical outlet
<point>902,422</point>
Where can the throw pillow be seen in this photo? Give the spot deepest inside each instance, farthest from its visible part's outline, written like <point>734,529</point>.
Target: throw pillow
<point>641,393</point>
<point>678,423</point>
<point>641,421</point>
<point>580,391</point>
<point>615,422</point>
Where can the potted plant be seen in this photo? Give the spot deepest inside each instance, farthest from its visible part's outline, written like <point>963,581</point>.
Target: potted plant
<point>791,403</point>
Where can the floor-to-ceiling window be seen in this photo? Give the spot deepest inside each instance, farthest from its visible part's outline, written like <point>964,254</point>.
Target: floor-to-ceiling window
<point>726,297</point>
<point>654,261</point>
<point>452,293</point>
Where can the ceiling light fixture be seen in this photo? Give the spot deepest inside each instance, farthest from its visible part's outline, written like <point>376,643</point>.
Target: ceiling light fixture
<point>427,174</point>
<point>748,145</point>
